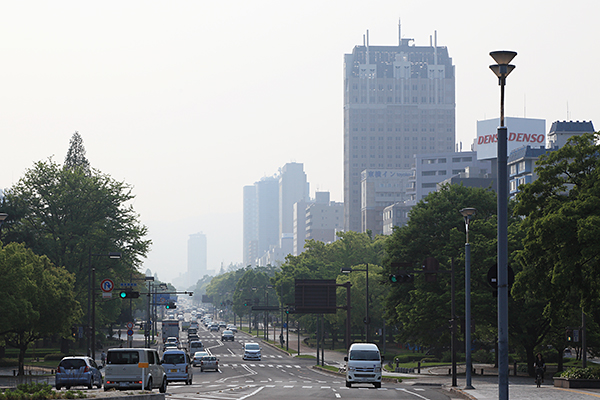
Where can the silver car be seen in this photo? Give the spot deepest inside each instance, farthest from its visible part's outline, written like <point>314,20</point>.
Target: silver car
<point>178,367</point>
<point>209,362</point>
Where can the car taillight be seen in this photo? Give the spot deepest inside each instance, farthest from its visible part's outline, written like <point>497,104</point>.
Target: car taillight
<point>217,363</point>
<point>201,362</point>
<point>186,369</point>
<point>86,369</point>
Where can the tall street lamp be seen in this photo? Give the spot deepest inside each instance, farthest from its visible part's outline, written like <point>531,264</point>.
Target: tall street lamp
<point>367,321</point>
<point>502,69</point>
<point>467,213</point>
<point>92,300</point>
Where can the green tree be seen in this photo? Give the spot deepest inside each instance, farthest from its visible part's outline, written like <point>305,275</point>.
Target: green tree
<point>561,211</point>
<point>68,214</point>
<point>37,301</point>
<point>76,154</point>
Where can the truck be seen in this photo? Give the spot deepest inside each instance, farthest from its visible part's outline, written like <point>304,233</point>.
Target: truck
<point>170,328</point>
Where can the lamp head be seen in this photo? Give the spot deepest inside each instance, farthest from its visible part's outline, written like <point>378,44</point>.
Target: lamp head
<point>346,270</point>
<point>468,212</point>
<point>503,57</point>
<point>3,217</point>
<point>114,255</point>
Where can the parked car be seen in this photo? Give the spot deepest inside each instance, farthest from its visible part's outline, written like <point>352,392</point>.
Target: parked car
<point>178,367</point>
<point>78,371</point>
<point>209,362</point>
<point>198,357</point>
<point>251,351</point>
<point>123,370</point>
<point>227,335</point>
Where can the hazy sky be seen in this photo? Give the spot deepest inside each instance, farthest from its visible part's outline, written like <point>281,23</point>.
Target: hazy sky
<point>188,101</point>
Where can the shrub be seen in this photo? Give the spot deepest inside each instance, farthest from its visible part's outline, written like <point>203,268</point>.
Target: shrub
<point>581,373</point>
<point>54,357</point>
<point>447,357</point>
<point>430,360</point>
<point>483,356</point>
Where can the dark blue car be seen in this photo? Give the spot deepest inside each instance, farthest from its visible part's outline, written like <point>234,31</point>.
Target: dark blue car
<point>78,371</point>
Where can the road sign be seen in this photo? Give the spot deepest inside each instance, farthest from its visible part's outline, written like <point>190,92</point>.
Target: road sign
<point>130,325</point>
<point>107,285</point>
<point>130,332</point>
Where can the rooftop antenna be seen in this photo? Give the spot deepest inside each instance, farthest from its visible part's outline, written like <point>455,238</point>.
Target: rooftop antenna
<point>435,49</point>
<point>399,33</point>
<point>368,58</point>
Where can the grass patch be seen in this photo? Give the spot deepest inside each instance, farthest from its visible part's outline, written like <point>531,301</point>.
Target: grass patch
<point>305,356</point>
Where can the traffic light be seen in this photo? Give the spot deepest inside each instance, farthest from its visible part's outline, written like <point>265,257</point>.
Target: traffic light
<point>128,294</point>
<point>402,277</point>
<point>171,305</point>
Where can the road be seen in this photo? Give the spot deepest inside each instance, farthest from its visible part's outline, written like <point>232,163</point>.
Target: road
<point>279,376</point>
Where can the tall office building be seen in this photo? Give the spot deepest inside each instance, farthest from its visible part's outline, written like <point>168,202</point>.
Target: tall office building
<point>197,266</point>
<point>293,188</point>
<point>250,234</point>
<point>398,101</point>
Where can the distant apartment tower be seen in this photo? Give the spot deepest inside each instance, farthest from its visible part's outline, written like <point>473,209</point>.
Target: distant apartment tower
<point>379,189</point>
<point>293,187</point>
<point>398,101</point>
<point>261,218</point>
<point>197,251</point>
<point>324,218</point>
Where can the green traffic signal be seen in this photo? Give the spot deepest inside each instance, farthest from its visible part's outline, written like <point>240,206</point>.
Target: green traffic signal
<point>127,294</point>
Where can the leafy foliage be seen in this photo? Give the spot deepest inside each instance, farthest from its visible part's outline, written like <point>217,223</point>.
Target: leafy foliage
<point>37,296</point>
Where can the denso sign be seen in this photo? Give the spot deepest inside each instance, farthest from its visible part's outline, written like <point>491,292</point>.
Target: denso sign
<point>521,132</point>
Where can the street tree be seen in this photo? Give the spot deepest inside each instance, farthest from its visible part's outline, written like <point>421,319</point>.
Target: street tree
<point>561,222</point>
<point>37,301</point>
<point>71,216</point>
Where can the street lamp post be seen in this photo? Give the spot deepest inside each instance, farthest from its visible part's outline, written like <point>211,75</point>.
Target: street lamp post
<point>502,69</point>
<point>92,300</point>
<point>367,321</point>
<point>467,213</point>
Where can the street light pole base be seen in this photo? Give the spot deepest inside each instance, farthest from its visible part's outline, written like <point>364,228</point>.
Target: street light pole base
<point>469,387</point>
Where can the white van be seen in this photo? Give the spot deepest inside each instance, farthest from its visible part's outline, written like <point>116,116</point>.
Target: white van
<point>128,368</point>
<point>363,364</point>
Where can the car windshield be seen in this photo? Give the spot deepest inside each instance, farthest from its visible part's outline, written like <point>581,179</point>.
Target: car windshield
<point>364,355</point>
<point>122,357</point>
<point>227,333</point>
<point>252,346</point>
<point>174,358</point>
<point>72,363</point>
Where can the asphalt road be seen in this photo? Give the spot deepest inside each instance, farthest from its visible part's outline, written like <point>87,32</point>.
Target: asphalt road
<point>279,376</point>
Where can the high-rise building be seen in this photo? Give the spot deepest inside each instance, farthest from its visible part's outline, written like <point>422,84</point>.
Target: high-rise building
<point>197,266</point>
<point>293,187</point>
<point>267,205</point>
<point>250,234</point>
<point>398,101</point>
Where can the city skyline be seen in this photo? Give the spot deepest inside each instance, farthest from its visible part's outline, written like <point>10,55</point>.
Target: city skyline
<point>189,102</point>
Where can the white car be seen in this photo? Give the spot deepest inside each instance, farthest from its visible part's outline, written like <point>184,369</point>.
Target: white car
<point>252,351</point>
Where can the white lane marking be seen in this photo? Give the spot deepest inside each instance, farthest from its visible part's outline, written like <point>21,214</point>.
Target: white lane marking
<point>339,396</point>
<point>252,394</point>
<point>414,394</point>
<point>288,386</point>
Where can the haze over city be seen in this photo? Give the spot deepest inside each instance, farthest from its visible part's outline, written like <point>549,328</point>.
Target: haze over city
<point>190,101</point>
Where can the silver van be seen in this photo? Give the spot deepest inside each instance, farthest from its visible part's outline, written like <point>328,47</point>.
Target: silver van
<point>128,368</point>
